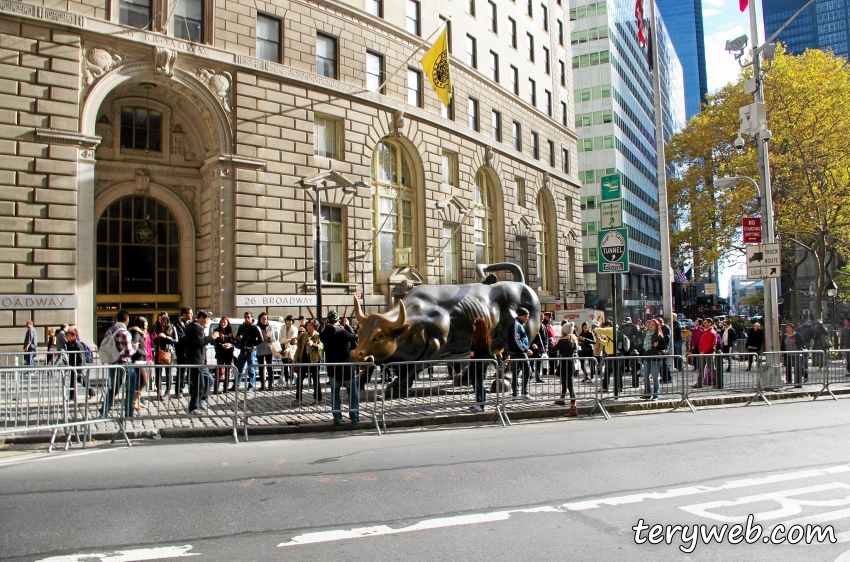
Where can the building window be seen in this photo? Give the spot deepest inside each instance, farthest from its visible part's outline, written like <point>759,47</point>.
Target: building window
<point>564,115</point>
<point>473,114</point>
<point>520,191</point>
<point>560,33</point>
<point>535,145</point>
<point>512,30</point>
<point>325,55</point>
<point>551,154</point>
<point>494,17</point>
<point>189,20</point>
<point>590,278</point>
<point>332,246</point>
<point>393,211</point>
<point>568,211</point>
<point>522,255</point>
<point>471,51</point>
<point>546,68</point>
<point>375,8</point>
<point>141,129</point>
<point>517,136</point>
<point>530,46</point>
<point>448,111</point>
<point>563,68</point>
<point>483,201</point>
<point>548,103</point>
<point>470,7</point>
<point>565,157</point>
<point>449,168</point>
<point>414,87</point>
<point>545,11</point>
<point>515,80</point>
<point>451,254</point>
<point>496,124</point>
<point>494,66</point>
<point>543,269</point>
<point>413,12</point>
<point>135,13</point>
<point>448,24</point>
<point>532,92</point>
<point>326,137</point>
<point>529,8</point>
<point>374,72</point>
<point>268,38</point>
<point>148,231</point>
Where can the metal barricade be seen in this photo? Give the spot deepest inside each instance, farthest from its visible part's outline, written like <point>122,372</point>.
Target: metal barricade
<point>560,381</point>
<point>34,399</point>
<point>631,378</point>
<point>307,393</point>
<point>729,373</point>
<point>43,358</point>
<point>442,387</point>
<point>838,368</point>
<point>147,396</point>
<point>798,368</point>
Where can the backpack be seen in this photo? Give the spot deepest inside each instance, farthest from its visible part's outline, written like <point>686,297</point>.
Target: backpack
<point>88,357</point>
<point>108,349</point>
<point>624,344</point>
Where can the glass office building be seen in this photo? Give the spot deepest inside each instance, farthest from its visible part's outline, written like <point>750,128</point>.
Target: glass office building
<point>683,19</point>
<point>615,120</point>
<point>823,25</point>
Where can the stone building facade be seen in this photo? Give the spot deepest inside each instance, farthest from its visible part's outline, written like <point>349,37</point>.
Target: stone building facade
<point>155,154</point>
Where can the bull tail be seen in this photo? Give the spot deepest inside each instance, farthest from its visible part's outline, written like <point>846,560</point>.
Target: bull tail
<point>483,269</point>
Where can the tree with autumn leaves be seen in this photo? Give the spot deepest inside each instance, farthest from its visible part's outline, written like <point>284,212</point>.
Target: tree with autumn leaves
<point>807,99</point>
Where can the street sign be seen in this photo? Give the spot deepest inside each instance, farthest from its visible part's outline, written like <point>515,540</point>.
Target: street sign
<point>613,251</point>
<point>764,261</point>
<point>710,289</point>
<point>612,214</point>
<point>611,187</point>
<point>752,230</point>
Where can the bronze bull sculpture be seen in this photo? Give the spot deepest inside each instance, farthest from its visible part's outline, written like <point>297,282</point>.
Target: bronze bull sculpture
<point>434,322</point>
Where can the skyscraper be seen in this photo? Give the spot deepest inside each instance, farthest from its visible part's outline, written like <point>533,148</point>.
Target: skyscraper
<point>683,19</point>
<point>615,121</point>
<point>823,25</point>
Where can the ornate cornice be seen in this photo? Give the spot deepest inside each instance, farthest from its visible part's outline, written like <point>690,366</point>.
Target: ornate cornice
<point>54,136</point>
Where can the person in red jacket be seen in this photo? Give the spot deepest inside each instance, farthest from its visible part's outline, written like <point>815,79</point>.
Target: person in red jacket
<point>693,349</point>
<point>708,346</point>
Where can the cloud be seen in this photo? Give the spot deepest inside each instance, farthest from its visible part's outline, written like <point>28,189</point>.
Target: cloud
<point>709,12</point>
<point>714,3</point>
<point>721,67</point>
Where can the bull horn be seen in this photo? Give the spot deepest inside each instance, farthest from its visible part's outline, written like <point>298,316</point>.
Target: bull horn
<point>357,312</point>
<point>402,316</point>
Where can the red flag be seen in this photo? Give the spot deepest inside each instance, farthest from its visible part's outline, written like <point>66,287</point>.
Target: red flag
<point>744,4</point>
<point>641,23</point>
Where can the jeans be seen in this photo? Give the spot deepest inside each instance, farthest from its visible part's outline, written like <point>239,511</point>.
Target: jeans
<point>249,358</point>
<point>29,358</point>
<point>651,385</point>
<point>677,350</point>
<point>614,363</point>
<point>113,387</point>
<point>353,399</point>
<point>199,386</point>
<point>522,372</point>
<point>286,370</point>
<point>479,372</point>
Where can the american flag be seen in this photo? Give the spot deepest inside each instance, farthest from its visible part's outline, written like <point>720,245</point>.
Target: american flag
<point>641,22</point>
<point>680,276</point>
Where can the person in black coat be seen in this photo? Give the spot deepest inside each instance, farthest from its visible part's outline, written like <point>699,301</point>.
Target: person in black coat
<point>339,340</point>
<point>196,343</point>
<point>567,350</point>
<point>795,363</point>
<point>180,348</point>
<point>755,344</point>
<point>586,341</point>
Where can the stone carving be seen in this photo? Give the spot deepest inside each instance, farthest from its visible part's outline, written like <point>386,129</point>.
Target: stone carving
<point>105,131</point>
<point>187,192</point>
<point>180,143</point>
<point>488,156</point>
<point>397,123</point>
<point>98,62</point>
<point>219,84</point>
<point>164,60</point>
<point>143,179</point>
<point>546,180</point>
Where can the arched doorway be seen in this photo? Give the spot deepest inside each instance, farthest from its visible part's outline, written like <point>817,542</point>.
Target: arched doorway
<point>138,259</point>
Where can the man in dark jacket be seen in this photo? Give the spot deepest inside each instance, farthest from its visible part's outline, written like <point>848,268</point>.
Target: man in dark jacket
<point>678,341</point>
<point>247,339</point>
<point>728,338</point>
<point>339,340</point>
<point>519,349</point>
<point>195,349</point>
<point>30,344</point>
<point>755,344</point>
<point>180,348</point>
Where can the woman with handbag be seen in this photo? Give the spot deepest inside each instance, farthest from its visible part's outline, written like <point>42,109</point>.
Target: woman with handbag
<point>654,344</point>
<point>567,351</point>
<point>264,352</point>
<point>224,347</point>
<point>288,339</point>
<point>164,340</point>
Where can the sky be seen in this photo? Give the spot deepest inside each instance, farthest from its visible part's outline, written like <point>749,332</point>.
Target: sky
<point>723,20</point>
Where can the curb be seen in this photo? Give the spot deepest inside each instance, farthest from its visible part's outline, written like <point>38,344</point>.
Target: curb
<point>610,405</point>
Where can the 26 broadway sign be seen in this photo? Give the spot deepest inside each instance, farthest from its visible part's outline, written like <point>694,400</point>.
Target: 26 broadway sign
<point>38,302</point>
<point>613,251</point>
<point>245,301</point>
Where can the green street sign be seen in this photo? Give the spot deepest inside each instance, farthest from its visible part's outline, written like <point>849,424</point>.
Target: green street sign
<point>611,187</point>
<point>611,214</point>
<point>613,251</point>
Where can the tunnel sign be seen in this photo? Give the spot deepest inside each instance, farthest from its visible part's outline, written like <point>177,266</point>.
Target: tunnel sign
<point>613,251</point>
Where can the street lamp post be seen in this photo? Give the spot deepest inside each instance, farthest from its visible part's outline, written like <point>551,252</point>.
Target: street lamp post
<point>317,253</point>
<point>832,293</point>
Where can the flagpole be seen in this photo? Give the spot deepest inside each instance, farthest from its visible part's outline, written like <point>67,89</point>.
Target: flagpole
<point>663,212</point>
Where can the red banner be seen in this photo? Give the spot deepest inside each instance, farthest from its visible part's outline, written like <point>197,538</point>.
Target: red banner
<point>752,230</point>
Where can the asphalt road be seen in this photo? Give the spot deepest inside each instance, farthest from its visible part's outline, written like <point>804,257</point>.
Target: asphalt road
<point>554,490</point>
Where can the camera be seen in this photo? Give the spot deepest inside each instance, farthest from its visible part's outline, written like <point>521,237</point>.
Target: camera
<point>740,143</point>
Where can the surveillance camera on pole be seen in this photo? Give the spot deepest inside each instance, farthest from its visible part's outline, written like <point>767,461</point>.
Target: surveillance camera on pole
<point>737,46</point>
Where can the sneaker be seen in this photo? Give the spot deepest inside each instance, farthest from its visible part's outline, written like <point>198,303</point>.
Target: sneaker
<point>526,397</point>
<point>473,409</point>
<point>250,389</point>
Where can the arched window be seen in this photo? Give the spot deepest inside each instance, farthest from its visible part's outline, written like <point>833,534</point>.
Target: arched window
<point>483,200</point>
<point>137,248</point>
<point>543,218</point>
<point>392,193</point>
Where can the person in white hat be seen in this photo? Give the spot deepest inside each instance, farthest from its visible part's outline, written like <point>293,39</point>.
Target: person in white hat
<point>567,350</point>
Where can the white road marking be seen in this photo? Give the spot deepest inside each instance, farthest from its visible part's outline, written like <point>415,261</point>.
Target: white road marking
<point>136,555</point>
<point>49,456</point>
<point>471,519</point>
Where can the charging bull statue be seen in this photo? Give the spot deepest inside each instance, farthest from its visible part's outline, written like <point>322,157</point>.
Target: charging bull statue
<point>434,322</point>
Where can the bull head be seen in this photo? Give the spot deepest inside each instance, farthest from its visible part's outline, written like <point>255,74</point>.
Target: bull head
<point>378,335</point>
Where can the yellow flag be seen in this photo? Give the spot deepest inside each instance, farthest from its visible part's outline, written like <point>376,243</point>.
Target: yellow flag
<point>436,65</point>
